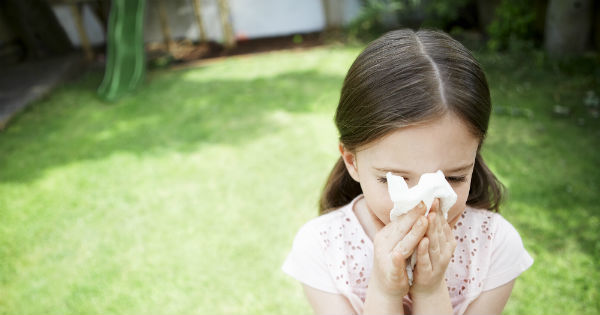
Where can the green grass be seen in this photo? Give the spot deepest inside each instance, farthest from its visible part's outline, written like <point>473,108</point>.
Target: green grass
<point>185,197</point>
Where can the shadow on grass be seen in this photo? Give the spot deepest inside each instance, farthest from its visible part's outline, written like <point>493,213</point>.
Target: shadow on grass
<point>550,160</point>
<point>553,182</point>
<point>171,112</point>
<point>551,170</point>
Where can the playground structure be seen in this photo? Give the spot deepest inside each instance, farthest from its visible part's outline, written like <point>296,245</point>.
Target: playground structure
<point>125,60</point>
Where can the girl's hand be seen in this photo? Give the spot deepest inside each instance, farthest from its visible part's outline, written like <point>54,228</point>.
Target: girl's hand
<point>393,244</point>
<point>433,254</point>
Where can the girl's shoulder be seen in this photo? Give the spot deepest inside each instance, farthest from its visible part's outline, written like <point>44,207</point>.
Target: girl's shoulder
<point>339,225</point>
<point>309,260</point>
<point>324,221</point>
<point>333,254</point>
<point>489,253</point>
<point>485,223</point>
<point>476,221</point>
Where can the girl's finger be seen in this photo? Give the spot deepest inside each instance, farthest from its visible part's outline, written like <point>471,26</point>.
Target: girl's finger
<point>407,245</point>
<point>435,206</point>
<point>423,257</point>
<point>398,260</point>
<point>447,231</point>
<point>434,240</point>
<point>398,274</point>
<point>449,238</point>
<point>396,230</point>
<point>446,240</point>
<point>439,212</point>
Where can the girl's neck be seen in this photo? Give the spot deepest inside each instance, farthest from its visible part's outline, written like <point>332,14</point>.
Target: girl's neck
<point>369,221</point>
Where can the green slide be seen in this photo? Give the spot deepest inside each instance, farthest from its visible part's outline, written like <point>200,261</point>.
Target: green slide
<point>125,62</point>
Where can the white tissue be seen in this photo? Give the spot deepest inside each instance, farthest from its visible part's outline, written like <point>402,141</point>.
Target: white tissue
<point>430,186</point>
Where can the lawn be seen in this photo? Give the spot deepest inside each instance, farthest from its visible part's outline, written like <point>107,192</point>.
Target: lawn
<point>185,197</point>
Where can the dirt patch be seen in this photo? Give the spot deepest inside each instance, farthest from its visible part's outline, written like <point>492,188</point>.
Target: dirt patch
<point>185,51</point>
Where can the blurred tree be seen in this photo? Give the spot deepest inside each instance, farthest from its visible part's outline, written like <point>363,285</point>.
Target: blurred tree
<point>378,16</point>
<point>596,26</point>
<point>76,11</point>
<point>198,15</point>
<point>513,25</point>
<point>226,24</point>
<point>447,15</point>
<point>334,13</point>
<point>164,26</point>
<point>485,12</point>
<point>568,27</point>
<point>102,9</point>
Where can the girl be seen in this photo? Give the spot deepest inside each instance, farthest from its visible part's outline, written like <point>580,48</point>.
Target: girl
<point>411,103</point>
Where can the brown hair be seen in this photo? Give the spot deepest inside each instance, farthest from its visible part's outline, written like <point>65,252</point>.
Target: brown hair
<point>405,78</point>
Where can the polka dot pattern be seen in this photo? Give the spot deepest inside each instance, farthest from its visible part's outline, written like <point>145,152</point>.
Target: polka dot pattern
<point>467,267</point>
<point>349,254</point>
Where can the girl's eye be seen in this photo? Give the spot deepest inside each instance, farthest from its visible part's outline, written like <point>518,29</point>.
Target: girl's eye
<point>384,180</point>
<point>456,179</point>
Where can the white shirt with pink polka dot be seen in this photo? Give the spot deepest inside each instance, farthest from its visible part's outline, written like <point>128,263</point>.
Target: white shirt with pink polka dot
<point>332,253</point>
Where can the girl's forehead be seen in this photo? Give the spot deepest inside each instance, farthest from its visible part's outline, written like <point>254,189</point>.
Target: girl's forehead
<point>441,144</point>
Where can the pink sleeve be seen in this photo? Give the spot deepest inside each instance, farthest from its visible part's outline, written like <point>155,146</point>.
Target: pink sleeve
<point>508,258</point>
<point>306,261</point>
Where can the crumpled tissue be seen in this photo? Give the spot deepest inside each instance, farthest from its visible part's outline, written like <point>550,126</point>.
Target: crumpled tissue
<point>430,186</point>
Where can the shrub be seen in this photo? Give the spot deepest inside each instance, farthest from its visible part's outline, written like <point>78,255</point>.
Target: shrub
<point>379,16</point>
<point>513,26</point>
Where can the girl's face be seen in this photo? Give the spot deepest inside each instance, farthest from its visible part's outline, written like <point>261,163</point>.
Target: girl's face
<point>443,144</point>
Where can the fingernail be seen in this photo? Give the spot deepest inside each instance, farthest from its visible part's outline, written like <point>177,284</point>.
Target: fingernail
<point>421,205</point>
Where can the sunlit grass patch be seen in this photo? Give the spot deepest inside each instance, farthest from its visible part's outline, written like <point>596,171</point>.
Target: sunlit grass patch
<point>184,197</point>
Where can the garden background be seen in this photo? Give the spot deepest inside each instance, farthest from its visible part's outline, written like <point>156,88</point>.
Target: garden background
<point>184,196</point>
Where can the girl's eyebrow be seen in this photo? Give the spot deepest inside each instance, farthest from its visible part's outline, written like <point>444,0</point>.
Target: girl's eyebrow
<point>461,168</point>
<point>399,171</point>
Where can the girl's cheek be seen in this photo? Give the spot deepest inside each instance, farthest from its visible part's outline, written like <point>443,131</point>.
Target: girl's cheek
<point>378,200</point>
<point>384,203</point>
<point>461,202</point>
